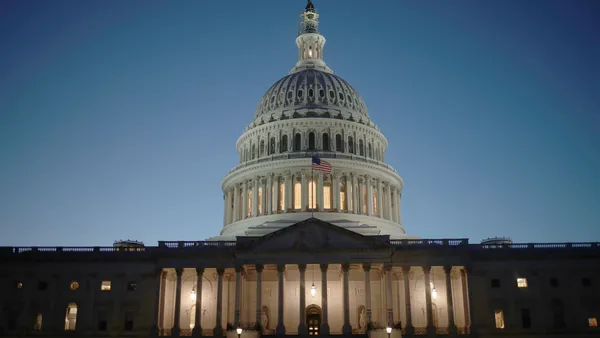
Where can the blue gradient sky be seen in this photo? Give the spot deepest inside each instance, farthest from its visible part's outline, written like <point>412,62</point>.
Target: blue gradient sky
<point>118,119</point>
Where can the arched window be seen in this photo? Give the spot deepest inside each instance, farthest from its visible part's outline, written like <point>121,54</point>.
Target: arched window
<point>350,145</point>
<point>339,145</point>
<point>325,141</point>
<point>71,317</point>
<point>327,195</point>
<point>262,148</point>
<point>343,200</point>
<point>312,194</point>
<point>297,142</point>
<point>272,146</point>
<point>193,317</point>
<point>361,148</point>
<point>283,146</point>
<point>259,202</point>
<point>311,141</point>
<point>281,203</point>
<point>297,195</point>
<point>370,151</point>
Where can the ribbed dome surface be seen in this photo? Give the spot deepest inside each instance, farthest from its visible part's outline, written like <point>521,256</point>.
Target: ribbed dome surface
<point>311,89</point>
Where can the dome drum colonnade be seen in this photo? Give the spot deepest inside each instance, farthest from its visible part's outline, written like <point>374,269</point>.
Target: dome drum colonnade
<point>311,111</point>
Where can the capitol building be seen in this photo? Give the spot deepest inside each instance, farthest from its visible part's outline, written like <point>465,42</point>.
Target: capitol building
<point>312,243</point>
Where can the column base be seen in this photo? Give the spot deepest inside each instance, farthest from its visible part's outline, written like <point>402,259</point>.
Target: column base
<point>431,332</point>
<point>175,332</point>
<point>347,329</point>
<point>324,329</point>
<point>280,329</point>
<point>197,331</point>
<point>302,330</point>
<point>410,330</point>
<point>218,331</point>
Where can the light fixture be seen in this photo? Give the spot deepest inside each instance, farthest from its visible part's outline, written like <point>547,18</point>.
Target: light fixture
<point>313,290</point>
<point>434,293</point>
<point>388,330</point>
<point>193,295</point>
<point>239,331</point>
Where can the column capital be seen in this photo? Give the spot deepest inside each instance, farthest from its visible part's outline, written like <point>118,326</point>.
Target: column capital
<point>259,267</point>
<point>447,269</point>
<point>324,267</point>
<point>387,267</point>
<point>302,267</point>
<point>366,267</point>
<point>280,267</point>
<point>179,272</point>
<point>345,267</point>
<point>426,269</point>
<point>220,271</point>
<point>405,269</point>
<point>199,271</point>
<point>238,268</point>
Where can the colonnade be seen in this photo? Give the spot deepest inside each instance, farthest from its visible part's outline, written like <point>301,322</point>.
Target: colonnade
<point>286,192</point>
<point>387,301</point>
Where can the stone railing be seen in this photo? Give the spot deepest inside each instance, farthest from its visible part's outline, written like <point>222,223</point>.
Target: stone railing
<point>595,245</point>
<point>195,244</point>
<point>429,242</point>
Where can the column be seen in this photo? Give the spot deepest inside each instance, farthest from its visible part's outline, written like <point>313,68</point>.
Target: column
<point>218,330</point>
<point>389,202</point>
<point>225,208</point>
<point>302,328</point>
<point>388,295</point>
<point>176,322</point>
<point>244,200</point>
<point>349,191</point>
<point>269,194</point>
<point>155,316</point>
<point>255,197</point>
<point>197,330</point>
<point>324,329</point>
<point>288,192</point>
<point>335,184</point>
<point>449,301</point>
<point>367,269</point>
<point>319,192</point>
<point>393,203</point>
<point>405,275</point>
<point>399,207</point>
<point>429,308</point>
<point>236,202</point>
<point>275,195</point>
<point>229,204</point>
<point>238,290</point>
<point>163,295</point>
<point>380,198</point>
<point>361,200</point>
<point>355,205</point>
<point>466,305</point>
<point>259,269</point>
<point>368,182</point>
<point>347,328</point>
<point>280,330</point>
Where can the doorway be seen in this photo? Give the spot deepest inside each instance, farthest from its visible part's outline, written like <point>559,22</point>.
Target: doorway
<point>313,319</point>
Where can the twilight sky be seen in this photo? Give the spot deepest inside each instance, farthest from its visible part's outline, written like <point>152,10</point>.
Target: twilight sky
<point>118,119</point>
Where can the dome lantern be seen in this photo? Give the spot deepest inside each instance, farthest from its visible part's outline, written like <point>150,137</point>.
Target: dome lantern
<point>310,43</point>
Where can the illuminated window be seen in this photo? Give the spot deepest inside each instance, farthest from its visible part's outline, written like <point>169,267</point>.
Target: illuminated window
<point>375,207</point>
<point>249,206</point>
<point>499,317</point>
<point>281,197</point>
<point>105,286</point>
<point>297,196</point>
<point>592,322</point>
<point>37,326</point>
<point>74,285</point>
<point>327,196</point>
<point>71,317</point>
<point>312,192</point>
<point>343,201</point>
<point>364,193</point>
<point>273,201</point>
<point>522,282</point>
<point>193,317</point>
<point>260,206</point>
<point>19,285</point>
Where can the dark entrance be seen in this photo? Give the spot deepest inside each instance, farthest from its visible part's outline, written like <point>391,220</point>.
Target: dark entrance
<point>313,320</point>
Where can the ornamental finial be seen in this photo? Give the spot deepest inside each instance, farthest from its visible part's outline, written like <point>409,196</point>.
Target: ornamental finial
<point>309,7</point>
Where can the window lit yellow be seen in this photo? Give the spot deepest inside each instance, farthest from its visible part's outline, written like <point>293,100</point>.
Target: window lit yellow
<point>592,322</point>
<point>375,207</point>
<point>260,206</point>
<point>327,196</point>
<point>249,209</point>
<point>297,195</point>
<point>343,201</point>
<point>522,282</point>
<point>281,197</point>
<point>499,317</point>
<point>312,194</point>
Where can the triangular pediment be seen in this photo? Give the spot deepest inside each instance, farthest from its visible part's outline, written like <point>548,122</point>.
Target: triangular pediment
<point>312,235</point>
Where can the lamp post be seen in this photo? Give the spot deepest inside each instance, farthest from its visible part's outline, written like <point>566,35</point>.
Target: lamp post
<point>239,332</point>
<point>389,331</point>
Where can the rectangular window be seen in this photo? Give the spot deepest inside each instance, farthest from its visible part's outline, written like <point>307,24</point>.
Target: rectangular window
<point>522,282</point>
<point>37,326</point>
<point>249,206</point>
<point>495,283</point>
<point>343,203</point>
<point>499,317</point>
<point>102,320</point>
<point>273,201</point>
<point>327,197</point>
<point>375,206</point>
<point>260,199</point>
<point>312,194</point>
<point>131,286</point>
<point>297,196</point>
<point>105,286</point>
<point>364,205</point>
<point>128,321</point>
<point>281,197</point>
<point>592,322</point>
<point>526,318</point>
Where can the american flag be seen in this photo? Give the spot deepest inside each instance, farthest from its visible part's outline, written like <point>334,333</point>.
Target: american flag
<point>319,164</point>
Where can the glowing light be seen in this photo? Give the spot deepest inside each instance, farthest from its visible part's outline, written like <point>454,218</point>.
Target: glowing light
<point>193,295</point>
<point>388,330</point>
<point>313,290</point>
<point>434,293</point>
